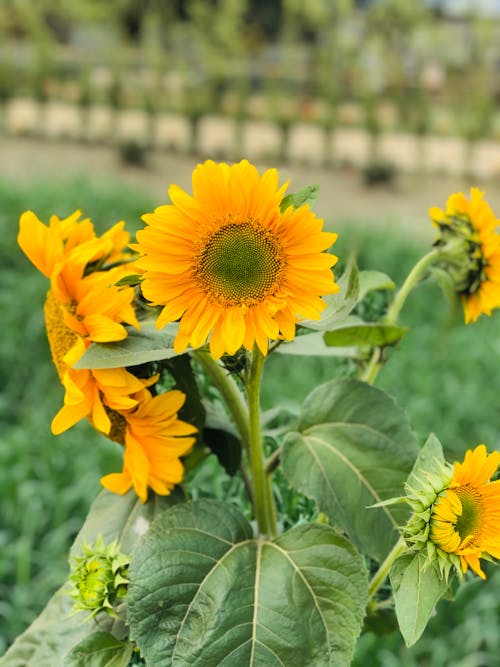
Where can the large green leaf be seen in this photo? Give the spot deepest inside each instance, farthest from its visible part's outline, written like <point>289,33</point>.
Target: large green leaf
<point>205,593</point>
<point>353,448</point>
<point>140,347</point>
<point>417,586</point>
<point>56,631</point>
<point>100,649</point>
<point>51,635</point>
<point>124,518</point>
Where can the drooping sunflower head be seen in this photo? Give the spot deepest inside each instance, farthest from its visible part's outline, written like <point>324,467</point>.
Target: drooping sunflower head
<point>471,251</point>
<point>456,514</point>
<point>230,265</point>
<point>155,439</point>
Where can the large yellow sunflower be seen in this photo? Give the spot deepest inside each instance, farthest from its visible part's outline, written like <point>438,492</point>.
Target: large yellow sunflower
<point>478,276</point>
<point>465,519</point>
<point>228,264</point>
<point>154,439</point>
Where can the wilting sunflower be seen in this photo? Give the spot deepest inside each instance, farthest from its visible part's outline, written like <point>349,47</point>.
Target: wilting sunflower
<point>228,264</point>
<point>465,518</point>
<point>467,228</point>
<point>154,439</point>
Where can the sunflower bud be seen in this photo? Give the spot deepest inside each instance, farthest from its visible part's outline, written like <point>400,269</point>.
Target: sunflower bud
<point>99,578</point>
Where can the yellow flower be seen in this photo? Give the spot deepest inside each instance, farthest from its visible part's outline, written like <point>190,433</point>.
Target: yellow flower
<point>230,265</point>
<point>154,440</point>
<point>476,265</point>
<point>46,246</point>
<point>465,518</point>
<point>88,392</point>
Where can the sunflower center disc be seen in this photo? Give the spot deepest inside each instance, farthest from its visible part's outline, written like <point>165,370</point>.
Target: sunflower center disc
<point>469,523</point>
<point>240,264</point>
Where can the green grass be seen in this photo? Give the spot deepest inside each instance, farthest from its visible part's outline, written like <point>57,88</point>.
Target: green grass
<point>443,374</point>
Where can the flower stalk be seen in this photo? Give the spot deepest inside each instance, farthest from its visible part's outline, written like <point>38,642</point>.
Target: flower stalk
<point>383,572</point>
<point>264,506</point>
<point>229,391</point>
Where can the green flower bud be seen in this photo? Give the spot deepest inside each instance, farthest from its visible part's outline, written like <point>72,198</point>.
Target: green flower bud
<point>99,578</point>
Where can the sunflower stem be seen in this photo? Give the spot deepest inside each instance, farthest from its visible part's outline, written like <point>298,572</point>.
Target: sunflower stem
<point>229,391</point>
<point>382,573</point>
<point>265,509</point>
<point>375,362</point>
<point>411,281</point>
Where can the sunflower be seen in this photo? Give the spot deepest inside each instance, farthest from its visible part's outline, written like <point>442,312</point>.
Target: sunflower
<point>154,439</point>
<point>476,269</point>
<point>47,245</point>
<point>83,306</point>
<point>465,518</point>
<point>229,264</point>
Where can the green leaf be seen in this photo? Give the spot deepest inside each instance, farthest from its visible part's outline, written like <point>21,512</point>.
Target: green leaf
<point>100,649</point>
<point>124,518</point>
<point>305,195</point>
<point>371,281</point>
<point>140,347</point>
<point>50,636</point>
<point>353,448</point>
<point>339,305</point>
<point>367,333</point>
<point>205,593</point>
<point>313,344</point>
<point>417,587</point>
<point>56,631</point>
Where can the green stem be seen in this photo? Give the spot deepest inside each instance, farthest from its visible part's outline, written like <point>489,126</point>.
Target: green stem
<point>375,363</point>
<point>229,391</point>
<point>265,510</point>
<point>381,574</point>
<point>411,280</point>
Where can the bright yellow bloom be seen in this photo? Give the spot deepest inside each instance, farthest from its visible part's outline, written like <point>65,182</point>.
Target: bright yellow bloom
<point>228,264</point>
<point>154,440</point>
<point>477,275</point>
<point>465,518</point>
<point>47,246</point>
<point>82,306</point>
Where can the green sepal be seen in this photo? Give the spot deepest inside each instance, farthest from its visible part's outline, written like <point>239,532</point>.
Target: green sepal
<point>417,585</point>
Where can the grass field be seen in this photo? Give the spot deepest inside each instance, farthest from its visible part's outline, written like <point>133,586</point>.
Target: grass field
<point>443,374</point>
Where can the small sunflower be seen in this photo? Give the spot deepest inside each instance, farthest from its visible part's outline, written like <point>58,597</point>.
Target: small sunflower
<point>154,439</point>
<point>230,265</point>
<point>465,518</point>
<point>468,226</point>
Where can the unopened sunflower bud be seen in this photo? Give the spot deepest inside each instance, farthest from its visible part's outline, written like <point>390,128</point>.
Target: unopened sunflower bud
<point>99,578</point>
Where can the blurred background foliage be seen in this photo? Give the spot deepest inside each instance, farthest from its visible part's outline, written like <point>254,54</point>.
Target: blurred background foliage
<point>427,67</point>
<point>387,67</point>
